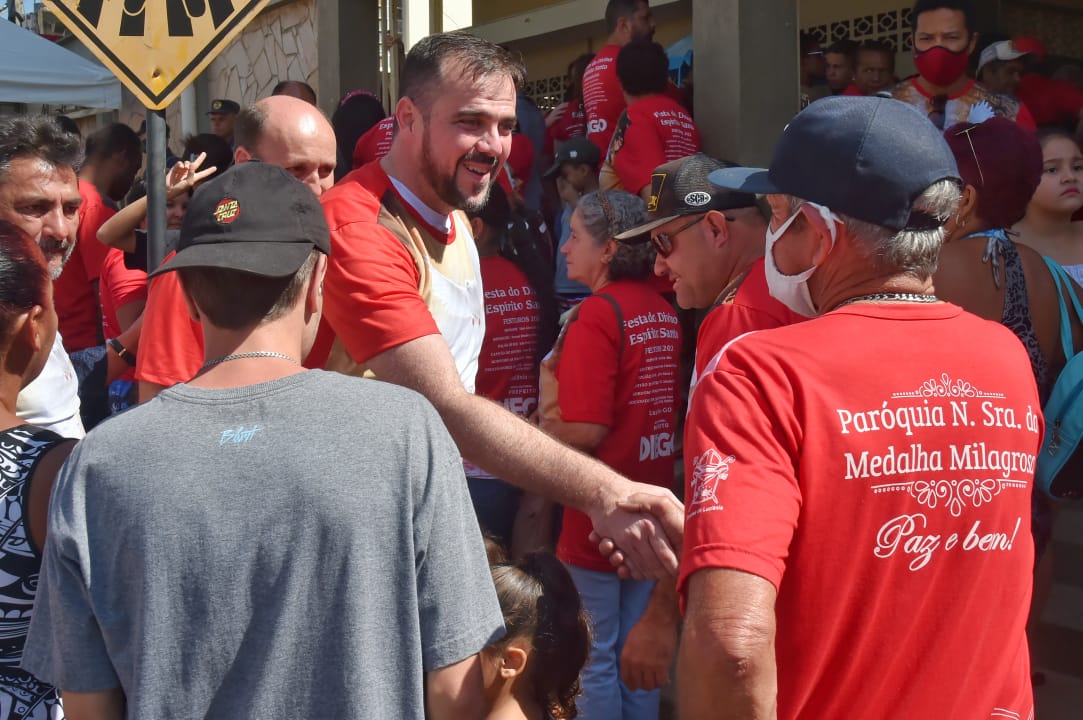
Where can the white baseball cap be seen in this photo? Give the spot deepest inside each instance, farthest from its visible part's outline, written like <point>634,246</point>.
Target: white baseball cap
<point>1002,50</point>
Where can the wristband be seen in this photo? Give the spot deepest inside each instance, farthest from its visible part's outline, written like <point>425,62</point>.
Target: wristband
<point>125,354</point>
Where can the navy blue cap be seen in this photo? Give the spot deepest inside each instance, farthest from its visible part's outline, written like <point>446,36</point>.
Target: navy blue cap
<point>865,157</point>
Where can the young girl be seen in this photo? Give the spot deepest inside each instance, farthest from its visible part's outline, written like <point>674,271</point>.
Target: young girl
<point>1047,226</point>
<point>533,672</point>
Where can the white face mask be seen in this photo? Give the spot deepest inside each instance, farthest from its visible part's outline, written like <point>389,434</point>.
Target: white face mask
<point>792,290</point>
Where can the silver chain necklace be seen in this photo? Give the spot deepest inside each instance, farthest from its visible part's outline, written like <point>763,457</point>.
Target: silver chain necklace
<point>889,297</point>
<point>242,356</point>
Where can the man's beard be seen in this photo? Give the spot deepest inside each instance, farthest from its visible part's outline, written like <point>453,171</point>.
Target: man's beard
<point>445,186</point>
<point>57,253</point>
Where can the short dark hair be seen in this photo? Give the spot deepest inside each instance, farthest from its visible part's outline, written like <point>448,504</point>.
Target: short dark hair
<point>355,115</point>
<point>284,85</point>
<point>963,6</point>
<point>643,68</point>
<point>71,126</point>
<point>475,58</point>
<point>219,153</point>
<point>878,46</point>
<point>113,139</point>
<point>39,137</point>
<point>617,9</point>
<point>807,42</point>
<point>248,128</point>
<point>234,300</point>
<point>24,276</point>
<point>845,47</point>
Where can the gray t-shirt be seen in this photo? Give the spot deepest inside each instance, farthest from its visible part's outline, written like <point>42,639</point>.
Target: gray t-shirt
<point>300,548</point>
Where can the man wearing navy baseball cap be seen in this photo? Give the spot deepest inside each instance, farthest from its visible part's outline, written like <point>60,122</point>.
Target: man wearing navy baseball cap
<point>709,244</point>
<point>223,115</point>
<point>285,484</point>
<point>857,516</point>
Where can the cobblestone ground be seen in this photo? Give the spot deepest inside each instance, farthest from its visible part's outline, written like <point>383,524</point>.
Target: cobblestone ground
<point>1058,638</point>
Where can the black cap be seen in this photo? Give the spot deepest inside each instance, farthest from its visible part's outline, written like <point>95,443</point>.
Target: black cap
<point>254,218</point>
<point>223,106</point>
<point>681,187</point>
<point>576,150</point>
<point>865,157</point>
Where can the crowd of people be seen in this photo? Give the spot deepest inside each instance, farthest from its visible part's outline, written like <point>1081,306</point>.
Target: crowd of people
<point>396,429</point>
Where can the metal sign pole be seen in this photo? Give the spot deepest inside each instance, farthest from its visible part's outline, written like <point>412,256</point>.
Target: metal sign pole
<point>155,178</point>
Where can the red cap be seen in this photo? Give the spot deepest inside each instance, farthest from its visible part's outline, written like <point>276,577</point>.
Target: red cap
<point>1031,46</point>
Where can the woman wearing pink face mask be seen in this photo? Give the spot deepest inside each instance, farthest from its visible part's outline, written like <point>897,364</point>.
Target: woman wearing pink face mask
<point>943,39</point>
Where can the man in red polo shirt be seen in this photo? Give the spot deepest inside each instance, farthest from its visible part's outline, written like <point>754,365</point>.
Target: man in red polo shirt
<point>603,99</point>
<point>404,293</point>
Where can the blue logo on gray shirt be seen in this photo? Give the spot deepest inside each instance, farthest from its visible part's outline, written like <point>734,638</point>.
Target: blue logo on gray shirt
<point>238,435</point>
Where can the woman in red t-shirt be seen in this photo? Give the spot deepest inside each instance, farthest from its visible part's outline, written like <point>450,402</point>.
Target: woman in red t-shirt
<point>616,364</point>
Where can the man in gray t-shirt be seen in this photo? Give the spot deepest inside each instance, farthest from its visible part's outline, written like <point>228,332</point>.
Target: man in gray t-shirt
<point>264,541</point>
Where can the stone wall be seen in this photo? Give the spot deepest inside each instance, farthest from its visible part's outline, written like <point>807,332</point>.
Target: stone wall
<point>280,44</point>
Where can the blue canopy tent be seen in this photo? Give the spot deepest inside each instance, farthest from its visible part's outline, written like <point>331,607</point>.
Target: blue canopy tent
<point>680,58</point>
<point>43,73</point>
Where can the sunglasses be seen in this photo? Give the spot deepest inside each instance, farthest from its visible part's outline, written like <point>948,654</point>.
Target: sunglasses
<point>663,242</point>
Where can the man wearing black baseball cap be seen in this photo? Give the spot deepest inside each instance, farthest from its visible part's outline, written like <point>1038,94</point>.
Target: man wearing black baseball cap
<point>848,542</point>
<point>223,114</point>
<point>709,243</point>
<point>286,484</point>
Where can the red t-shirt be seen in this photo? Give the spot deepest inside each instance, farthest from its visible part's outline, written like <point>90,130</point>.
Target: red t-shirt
<point>375,143</point>
<point>657,130</point>
<point>876,466</point>
<point>119,286</point>
<point>629,386</point>
<point>573,123</point>
<point>393,278</point>
<point>171,343</point>
<point>852,90</point>
<point>603,99</point>
<point>76,301</point>
<point>1051,102</point>
<point>750,307</point>
<point>507,366</point>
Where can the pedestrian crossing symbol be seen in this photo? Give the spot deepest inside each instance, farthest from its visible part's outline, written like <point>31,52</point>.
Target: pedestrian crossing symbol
<point>156,47</point>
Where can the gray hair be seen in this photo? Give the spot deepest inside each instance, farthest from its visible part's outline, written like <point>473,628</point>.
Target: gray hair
<point>606,213</point>
<point>40,137</point>
<point>910,252</point>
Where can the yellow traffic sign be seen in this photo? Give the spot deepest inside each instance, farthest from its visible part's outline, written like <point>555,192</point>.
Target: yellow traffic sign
<point>155,47</point>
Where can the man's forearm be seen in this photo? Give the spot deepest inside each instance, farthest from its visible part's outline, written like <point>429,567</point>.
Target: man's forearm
<point>716,684</point>
<point>726,662</point>
<point>501,443</point>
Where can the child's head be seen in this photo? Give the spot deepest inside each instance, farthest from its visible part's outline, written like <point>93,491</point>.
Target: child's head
<point>1060,190</point>
<point>548,635</point>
